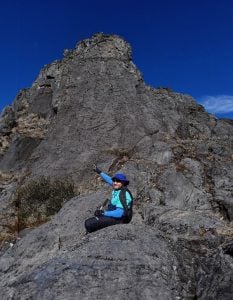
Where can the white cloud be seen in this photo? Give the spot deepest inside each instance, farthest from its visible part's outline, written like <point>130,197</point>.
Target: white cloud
<point>220,104</point>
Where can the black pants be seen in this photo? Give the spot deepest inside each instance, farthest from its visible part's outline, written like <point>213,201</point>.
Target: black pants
<point>96,223</point>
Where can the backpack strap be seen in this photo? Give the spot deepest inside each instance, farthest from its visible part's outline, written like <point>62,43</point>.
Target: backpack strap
<point>128,210</point>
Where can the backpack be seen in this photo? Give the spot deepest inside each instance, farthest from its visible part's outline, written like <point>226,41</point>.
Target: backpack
<point>128,210</point>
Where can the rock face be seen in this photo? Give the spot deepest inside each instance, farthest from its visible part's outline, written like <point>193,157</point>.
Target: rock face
<point>94,107</point>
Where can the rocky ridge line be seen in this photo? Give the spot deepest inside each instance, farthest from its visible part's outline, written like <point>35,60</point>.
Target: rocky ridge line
<point>93,106</point>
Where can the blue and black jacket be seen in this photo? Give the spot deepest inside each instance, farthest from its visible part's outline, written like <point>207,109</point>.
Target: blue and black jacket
<point>115,208</point>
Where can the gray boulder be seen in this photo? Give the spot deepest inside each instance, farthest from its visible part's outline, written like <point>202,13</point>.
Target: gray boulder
<point>94,107</point>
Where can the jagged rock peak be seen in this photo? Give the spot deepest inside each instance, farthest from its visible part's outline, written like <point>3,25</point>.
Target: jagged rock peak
<point>102,45</point>
<point>93,107</point>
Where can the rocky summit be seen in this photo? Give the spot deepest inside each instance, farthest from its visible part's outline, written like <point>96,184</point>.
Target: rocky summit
<point>93,107</point>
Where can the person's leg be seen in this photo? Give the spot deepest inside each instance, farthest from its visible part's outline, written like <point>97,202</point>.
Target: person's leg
<point>96,223</point>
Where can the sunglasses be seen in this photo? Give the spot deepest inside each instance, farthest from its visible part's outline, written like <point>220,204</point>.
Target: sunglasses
<point>116,180</point>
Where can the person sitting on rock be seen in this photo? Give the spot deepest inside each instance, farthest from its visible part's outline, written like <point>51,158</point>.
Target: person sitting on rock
<point>119,209</point>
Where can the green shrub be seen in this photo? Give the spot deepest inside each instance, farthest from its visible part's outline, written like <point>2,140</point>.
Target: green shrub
<point>37,200</point>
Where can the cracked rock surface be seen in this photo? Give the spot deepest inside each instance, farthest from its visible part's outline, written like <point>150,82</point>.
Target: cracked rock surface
<point>93,106</point>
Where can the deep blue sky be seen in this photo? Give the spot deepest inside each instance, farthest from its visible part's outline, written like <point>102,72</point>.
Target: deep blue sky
<point>186,45</point>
